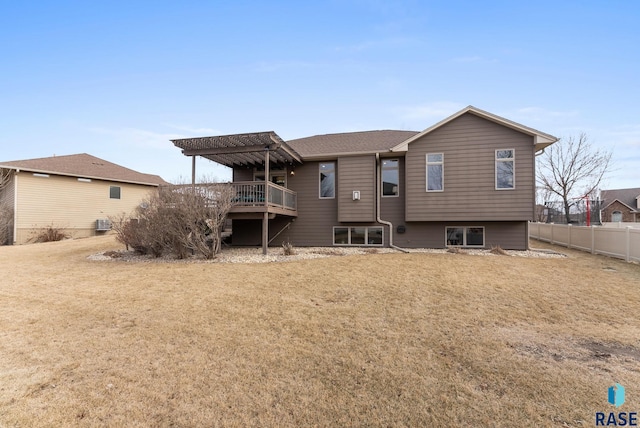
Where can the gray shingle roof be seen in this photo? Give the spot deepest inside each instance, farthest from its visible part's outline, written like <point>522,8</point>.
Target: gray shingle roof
<point>626,196</point>
<point>349,142</point>
<point>84,165</point>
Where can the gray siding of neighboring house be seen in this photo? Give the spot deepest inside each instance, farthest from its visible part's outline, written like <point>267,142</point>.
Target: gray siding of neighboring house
<point>356,173</point>
<point>469,144</point>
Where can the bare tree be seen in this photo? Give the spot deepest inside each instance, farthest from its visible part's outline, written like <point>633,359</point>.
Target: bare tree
<point>543,196</point>
<point>572,169</point>
<point>5,177</point>
<point>6,213</point>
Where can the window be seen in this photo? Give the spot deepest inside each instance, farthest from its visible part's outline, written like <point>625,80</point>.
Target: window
<point>465,236</point>
<point>505,178</point>
<point>328,180</point>
<point>390,177</point>
<point>435,172</point>
<point>114,192</point>
<point>616,216</point>
<point>278,176</point>
<point>357,235</point>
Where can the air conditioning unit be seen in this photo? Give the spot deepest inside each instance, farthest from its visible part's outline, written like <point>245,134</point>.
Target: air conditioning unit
<point>103,225</point>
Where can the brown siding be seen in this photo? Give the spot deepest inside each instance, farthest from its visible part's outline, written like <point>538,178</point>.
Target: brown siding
<point>508,235</point>
<point>468,144</point>
<point>356,174</point>
<point>243,174</point>
<point>69,204</point>
<point>316,217</point>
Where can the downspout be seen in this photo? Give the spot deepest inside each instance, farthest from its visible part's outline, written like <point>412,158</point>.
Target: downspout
<point>378,197</point>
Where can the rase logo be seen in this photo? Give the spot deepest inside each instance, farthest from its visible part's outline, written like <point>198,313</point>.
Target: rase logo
<point>616,395</point>
<point>616,398</point>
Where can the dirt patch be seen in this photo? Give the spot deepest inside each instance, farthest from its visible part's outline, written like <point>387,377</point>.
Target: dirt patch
<point>607,350</point>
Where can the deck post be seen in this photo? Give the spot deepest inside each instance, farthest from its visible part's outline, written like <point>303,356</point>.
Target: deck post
<point>193,171</point>
<point>265,219</point>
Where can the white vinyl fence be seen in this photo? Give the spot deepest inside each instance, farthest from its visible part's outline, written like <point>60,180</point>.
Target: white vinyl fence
<point>622,243</point>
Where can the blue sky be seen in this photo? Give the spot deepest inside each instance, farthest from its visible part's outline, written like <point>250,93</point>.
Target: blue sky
<point>119,79</point>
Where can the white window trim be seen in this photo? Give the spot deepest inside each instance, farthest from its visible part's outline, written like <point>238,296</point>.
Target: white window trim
<point>397,195</point>
<point>427,171</point>
<point>511,159</point>
<point>366,236</point>
<point>464,236</point>
<point>335,176</point>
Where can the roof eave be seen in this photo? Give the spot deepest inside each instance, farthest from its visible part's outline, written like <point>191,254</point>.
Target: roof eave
<point>324,156</point>
<point>66,174</point>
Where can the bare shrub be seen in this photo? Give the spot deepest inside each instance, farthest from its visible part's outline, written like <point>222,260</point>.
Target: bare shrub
<point>49,233</point>
<point>287,249</point>
<point>6,224</point>
<point>179,219</point>
<point>497,249</point>
<point>456,250</point>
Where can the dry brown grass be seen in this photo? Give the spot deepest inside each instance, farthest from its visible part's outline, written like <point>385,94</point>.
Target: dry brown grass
<point>372,340</point>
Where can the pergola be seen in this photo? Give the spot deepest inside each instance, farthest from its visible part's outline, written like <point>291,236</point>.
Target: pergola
<point>253,149</point>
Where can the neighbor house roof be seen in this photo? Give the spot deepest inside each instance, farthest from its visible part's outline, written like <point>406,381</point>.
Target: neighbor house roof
<point>626,196</point>
<point>349,142</point>
<point>85,166</point>
<point>540,139</point>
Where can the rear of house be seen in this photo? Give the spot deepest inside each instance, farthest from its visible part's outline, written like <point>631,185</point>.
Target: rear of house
<point>467,181</point>
<point>76,193</point>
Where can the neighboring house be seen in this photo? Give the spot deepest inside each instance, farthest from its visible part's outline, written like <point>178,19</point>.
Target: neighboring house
<point>466,181</point>
<point>69,192</point>
<point>621,205</point>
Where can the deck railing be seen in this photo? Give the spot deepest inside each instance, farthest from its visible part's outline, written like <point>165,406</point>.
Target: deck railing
<point>252,194</point>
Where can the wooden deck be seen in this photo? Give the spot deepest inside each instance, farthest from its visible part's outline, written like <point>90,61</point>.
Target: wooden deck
<point>250,200</point>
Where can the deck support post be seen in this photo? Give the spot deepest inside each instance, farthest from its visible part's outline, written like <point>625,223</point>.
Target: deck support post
<point>265,219</point>
<point>193,171</point>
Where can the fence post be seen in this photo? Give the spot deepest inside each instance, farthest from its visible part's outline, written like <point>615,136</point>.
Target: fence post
<point>569,235</point>
<point>628,253</point>
<point>551,233</point>
<point>593,240</point>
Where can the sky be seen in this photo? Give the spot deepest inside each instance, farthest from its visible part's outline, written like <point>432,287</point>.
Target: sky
<point>120,79</point>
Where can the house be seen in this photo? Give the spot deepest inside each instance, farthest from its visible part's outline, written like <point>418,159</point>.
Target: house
<point>466,181</point>
<point>69,192</point>
<point>620,205</point>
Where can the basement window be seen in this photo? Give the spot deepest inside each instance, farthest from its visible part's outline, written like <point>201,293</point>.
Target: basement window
<point>357,235</point>
<point>465,236</point>
<point>114,192</point>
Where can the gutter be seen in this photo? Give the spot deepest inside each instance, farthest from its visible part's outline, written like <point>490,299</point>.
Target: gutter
<point>378,219</point>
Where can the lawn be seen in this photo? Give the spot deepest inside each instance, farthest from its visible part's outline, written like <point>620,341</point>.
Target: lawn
<point>370,340</point>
